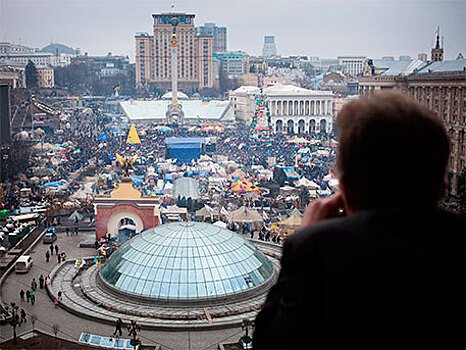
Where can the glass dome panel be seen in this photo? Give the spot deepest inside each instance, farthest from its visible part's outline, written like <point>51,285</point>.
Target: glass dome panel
<point>186,261</point>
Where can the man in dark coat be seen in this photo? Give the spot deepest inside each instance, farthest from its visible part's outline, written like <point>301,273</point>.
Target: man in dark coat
<point>378,265</point>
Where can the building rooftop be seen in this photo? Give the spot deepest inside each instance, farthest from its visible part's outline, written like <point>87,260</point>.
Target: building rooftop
<point>186,187</point>
<point>444,66</point>
<point>193,109</point>
<point>279,89</point>
<point>398,67</point>
<point>180,95</point>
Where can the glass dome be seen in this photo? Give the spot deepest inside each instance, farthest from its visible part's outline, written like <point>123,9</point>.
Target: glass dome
<point>186,261</point>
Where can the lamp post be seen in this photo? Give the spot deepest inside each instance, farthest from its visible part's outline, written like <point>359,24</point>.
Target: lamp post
<point>14,319</point>
<point>246,339</point>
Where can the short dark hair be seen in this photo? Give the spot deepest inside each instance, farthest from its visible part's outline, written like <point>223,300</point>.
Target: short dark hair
<point>392,152</point>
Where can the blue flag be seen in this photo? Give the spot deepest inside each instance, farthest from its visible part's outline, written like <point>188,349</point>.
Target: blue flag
<point>102,137</point>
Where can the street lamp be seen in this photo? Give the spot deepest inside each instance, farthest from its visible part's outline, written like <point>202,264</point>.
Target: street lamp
<point>14,319</point>
<point>246,340</point>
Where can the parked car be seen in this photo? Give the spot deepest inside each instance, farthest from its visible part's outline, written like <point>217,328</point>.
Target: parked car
<point>23,264</point>
<point>49,237</point>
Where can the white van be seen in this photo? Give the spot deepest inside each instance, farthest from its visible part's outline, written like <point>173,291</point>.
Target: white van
<point>23,264</point>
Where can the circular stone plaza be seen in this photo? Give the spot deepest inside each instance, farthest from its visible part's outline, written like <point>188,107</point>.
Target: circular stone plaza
<point>188,285</point>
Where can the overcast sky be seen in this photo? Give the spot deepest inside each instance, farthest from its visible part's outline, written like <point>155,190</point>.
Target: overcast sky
<point>324,28</point>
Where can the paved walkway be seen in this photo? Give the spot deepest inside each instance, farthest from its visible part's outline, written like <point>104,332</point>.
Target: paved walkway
<point>71,326</point>
<point>98,303</point>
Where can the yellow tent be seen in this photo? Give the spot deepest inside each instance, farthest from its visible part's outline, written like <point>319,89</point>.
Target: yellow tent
<point>133,137</point>
<point>291,224</point>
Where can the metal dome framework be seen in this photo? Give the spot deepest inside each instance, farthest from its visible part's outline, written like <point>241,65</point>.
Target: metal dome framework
<point>187,262</point>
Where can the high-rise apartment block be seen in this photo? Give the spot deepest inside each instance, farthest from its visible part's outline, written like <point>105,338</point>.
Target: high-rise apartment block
<point>269,49</point>
<point>153,54</point>
<point>219,35</point>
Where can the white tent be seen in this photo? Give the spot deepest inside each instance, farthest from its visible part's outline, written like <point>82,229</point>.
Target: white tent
<point>75,216</point>
<point>311,185</point>
<point>220,224</point>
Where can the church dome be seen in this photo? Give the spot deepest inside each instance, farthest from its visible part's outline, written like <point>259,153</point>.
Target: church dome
<point>187,261</point>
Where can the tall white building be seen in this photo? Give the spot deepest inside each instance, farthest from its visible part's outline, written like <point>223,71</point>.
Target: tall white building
<point>353,65</point>
<point>38,58</point>
<point>269,49</point>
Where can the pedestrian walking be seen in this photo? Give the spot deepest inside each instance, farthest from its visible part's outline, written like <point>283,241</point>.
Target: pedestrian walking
<point>76,230</point>
<point>28,295</point>
<point>47,256</point>
<point>33,297</point>
<point>23,316</point>
<point>118,325</point>
<point>51,249</point>
<point>55,302</point>
<point>67,232</point>
<point>56,249</point>
<point>59,294</point>
<point>132,328</point>
<point>47,280</point>
<point>41,281</point>
<point>33,284</point>
<point>21,295</point>
<point>59,258</point>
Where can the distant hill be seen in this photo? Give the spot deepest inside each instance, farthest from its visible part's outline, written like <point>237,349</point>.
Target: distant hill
<point>58,49</point>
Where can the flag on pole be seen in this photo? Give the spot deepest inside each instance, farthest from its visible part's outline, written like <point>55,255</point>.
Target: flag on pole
<point>225,213</point>
<point>265,216</point>
<point>211,211</point>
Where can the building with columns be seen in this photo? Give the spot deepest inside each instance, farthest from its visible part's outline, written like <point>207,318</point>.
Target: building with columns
<point>293,110</point>
<point>153,54</point>
<point>441,87</point>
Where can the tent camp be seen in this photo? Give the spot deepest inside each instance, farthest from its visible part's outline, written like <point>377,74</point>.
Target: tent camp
<point>245,214</point>
<point>244,187</point>
<point>310,185</point>
<point>238,174</point>
<point>203,213</point>
<point>291,224</point>
<point>75,216</point>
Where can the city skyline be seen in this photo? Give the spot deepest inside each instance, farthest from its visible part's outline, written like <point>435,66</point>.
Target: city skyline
<point>312,28</point>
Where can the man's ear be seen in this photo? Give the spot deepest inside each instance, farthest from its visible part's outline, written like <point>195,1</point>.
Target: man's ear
<point>443,189</point>
<point>344,194</point>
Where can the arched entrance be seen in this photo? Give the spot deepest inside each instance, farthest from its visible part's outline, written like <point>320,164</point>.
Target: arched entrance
<point>124,224</point>
<point>279,126</point>
<point>290,127</point>
<point>126,230</point>
<point>301,126</point>
<point>323,126</point>
<point>312,126</point>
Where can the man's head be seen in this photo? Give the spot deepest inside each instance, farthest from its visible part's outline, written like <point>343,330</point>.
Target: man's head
<point>392,152</point>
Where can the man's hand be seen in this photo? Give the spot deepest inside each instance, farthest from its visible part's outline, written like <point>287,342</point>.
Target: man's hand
<point>322,209</point>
